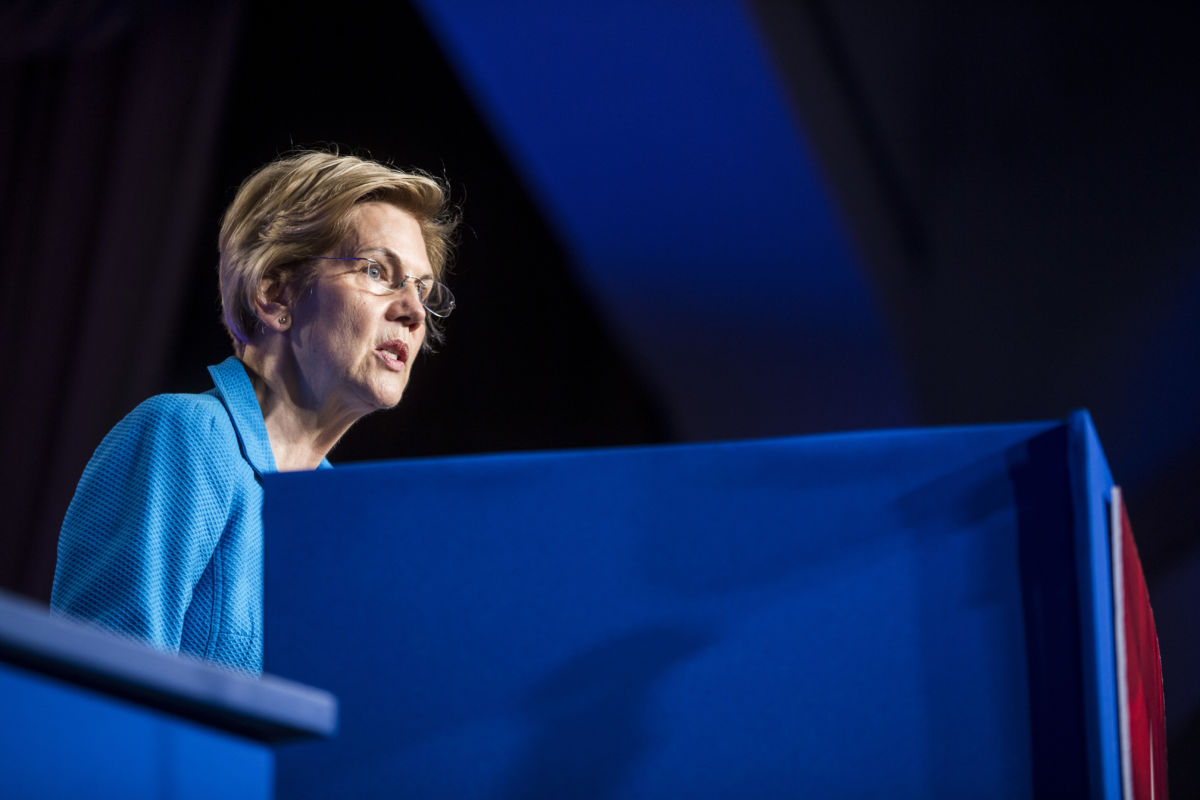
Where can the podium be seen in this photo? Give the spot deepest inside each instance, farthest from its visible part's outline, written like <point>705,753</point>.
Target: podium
<point>89,713</point>
<point>906,614</point>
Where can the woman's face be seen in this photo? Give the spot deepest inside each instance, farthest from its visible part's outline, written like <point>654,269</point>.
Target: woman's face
<point>354,350</point>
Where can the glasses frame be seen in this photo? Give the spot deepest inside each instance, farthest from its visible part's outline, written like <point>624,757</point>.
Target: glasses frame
<point>432,283</point>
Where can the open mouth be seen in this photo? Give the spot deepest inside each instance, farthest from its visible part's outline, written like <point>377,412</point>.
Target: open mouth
<point>394,353</point>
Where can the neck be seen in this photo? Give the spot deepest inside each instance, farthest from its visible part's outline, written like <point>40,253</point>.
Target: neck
<point>301,433</point>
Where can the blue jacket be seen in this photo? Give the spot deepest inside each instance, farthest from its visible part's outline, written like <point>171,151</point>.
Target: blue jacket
<point>163,539</point>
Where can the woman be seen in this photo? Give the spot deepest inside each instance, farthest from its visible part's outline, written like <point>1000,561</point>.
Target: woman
<point>330,272</point>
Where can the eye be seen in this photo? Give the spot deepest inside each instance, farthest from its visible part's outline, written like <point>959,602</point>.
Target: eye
<point>376,272</point>
<point>422,286</point>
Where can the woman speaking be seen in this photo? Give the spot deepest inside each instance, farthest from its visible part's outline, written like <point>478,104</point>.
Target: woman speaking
<point>330,271</point>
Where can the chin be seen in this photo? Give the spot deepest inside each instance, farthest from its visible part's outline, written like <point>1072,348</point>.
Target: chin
<point>388,399</point>
<point>376,398</point>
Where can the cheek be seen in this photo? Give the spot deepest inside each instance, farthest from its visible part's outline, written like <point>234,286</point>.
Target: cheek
<point>350,323</point>
<point>338,335</point>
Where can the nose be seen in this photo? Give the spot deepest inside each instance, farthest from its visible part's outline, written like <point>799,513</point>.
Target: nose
<point>405,306</point>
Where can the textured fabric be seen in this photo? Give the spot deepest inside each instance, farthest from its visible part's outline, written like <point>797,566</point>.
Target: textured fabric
<point>163,539</point>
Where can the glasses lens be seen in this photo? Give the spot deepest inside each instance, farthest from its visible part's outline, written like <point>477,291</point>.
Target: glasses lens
<point>439,300</point>
<point>372,277</point>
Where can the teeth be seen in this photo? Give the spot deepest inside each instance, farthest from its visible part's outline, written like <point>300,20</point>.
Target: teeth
<point>391,355</point>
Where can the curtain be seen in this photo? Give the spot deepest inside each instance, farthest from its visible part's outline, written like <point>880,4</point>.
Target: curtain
<point>109,119</point>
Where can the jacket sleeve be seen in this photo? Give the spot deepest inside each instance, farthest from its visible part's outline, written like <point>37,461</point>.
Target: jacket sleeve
<point>145,520</point>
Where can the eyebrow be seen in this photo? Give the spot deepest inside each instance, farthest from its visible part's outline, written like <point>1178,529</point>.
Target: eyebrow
<point>395,257</point>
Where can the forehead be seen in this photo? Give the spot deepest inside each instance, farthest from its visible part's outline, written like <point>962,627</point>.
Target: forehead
<point>389,233</point>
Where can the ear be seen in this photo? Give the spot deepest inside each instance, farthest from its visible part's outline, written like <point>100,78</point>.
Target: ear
<point>273,303</point>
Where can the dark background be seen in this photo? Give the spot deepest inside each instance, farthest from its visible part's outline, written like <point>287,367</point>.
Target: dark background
<point>964,213</point>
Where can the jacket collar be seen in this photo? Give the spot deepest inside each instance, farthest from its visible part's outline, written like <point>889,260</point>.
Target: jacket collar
<point>237,393</point>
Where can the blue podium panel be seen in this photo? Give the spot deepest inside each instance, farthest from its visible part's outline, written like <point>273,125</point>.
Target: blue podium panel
<point>62,742</point>
<point>865,615</point>
<point>86,712</point>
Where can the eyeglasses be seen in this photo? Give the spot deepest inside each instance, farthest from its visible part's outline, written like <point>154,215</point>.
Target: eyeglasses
<point>380,279</point>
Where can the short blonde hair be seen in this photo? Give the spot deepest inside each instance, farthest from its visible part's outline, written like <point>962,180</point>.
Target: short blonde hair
<point>298,206</point>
